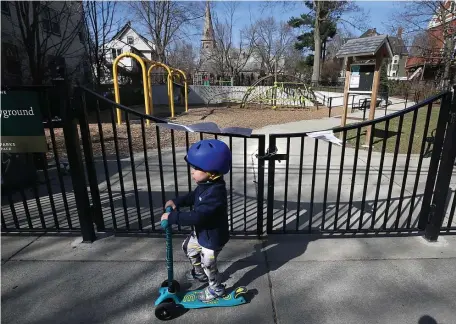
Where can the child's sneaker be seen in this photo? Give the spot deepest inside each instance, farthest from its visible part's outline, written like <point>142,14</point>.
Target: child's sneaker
<point>195,276</point>
<point>209,294</point>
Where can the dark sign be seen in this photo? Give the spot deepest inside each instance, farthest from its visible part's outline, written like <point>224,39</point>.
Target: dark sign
<point>21,122</point>
<point>361,77</point>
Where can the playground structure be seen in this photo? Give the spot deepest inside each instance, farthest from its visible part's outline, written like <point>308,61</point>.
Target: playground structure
<point>147,66</point>
<point>285,91</point>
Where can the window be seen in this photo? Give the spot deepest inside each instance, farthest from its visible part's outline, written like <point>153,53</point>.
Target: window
<point>5,8</point>
<point>115,52</point>
<point>130,40</point>
<point>50,21</point>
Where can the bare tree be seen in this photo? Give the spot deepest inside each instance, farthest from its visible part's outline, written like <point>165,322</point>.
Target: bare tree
<point>421,44</point>
<point>431,24</point>
<point>99,25</point>
<point>272,40</point>
<point>166,21</point>
<point>337,42</point>
<point>229,57</point>
<point>294,64</point>
<point>46,35</point>
<point>182,55</point>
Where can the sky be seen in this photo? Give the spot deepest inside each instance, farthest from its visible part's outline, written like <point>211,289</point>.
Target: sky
<point>377,14</point>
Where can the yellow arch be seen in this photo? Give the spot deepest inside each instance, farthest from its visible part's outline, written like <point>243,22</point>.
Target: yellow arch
<point>169,83</point>
<point>116,83</point>
<point>182,73</point>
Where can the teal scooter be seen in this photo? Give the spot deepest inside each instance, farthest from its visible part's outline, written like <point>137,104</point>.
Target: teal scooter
<point>170,299</point>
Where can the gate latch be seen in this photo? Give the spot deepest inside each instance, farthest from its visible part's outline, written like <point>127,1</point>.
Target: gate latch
<point>272,156</point>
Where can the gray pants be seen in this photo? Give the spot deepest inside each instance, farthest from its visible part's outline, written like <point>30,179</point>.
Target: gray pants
<point>202,259</point>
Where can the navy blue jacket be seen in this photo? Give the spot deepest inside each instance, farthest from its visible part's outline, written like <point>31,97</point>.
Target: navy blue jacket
<point>209,215</point>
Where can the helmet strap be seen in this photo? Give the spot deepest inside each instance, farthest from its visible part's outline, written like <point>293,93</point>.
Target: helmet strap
<point>213,176</point>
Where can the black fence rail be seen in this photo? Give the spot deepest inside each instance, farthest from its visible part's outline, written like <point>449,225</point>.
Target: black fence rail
<point>364,185</point>
<point>138,167</point>
<point>119,177</point>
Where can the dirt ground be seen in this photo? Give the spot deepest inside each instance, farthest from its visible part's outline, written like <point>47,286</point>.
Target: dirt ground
<point>253,117</point>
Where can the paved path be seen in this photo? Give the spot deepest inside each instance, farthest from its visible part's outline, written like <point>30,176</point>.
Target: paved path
<point>293,279</point>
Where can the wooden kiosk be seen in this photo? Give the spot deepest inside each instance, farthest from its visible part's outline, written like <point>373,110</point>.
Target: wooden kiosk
<point>363,56</point>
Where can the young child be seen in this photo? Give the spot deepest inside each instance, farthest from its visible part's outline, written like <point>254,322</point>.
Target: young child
<point>210,160</point>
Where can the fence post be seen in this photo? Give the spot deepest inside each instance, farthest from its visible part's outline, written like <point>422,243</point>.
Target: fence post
<point>271,177</point>
<point>260,184</point>
<point>443,179</point>
<point>71,136</point>
<point>330,105</point>
<point>434,163</point>
<point>81,111</point>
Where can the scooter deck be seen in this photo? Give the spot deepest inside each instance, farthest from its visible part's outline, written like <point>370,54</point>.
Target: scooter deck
<point>190,300</point>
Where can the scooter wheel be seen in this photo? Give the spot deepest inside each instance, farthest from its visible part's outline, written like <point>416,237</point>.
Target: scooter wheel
<point>165,311</point>
<point>175,285</point>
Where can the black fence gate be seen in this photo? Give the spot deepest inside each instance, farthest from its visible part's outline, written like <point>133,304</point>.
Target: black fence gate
<point>118,177</point>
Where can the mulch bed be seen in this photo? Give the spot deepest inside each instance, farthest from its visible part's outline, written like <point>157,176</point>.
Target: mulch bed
<point>253,117</point>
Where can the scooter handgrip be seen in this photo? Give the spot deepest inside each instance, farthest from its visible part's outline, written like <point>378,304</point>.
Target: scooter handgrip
<point>164,223</point>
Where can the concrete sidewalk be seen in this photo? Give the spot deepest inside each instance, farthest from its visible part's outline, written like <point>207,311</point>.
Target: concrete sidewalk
<point>294,279</point>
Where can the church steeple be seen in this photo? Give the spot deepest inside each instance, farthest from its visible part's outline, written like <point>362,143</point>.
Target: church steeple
<point>208,39</point>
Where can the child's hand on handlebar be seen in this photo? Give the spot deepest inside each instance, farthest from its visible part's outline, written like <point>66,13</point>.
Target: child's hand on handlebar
<point>171,204</point>
<point>164,216</point>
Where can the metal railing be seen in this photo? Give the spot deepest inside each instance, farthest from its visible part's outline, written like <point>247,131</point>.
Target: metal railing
<point>124,174</point>
<point>352,194</point>
<point>158,153</point>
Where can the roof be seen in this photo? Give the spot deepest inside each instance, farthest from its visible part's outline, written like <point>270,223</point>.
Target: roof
<point>397,43</point>
<point>414,61</point>
<point>125,28</point>
<point>398,46</point>
<point>369,32</point>
<point>366,46</point>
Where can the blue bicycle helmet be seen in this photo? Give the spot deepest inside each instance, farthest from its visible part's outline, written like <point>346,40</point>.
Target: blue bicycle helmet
<point>210,155</point>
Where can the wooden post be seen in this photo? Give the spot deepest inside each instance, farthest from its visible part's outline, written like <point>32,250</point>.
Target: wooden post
<point>346,87</point>
<point>375,86</point>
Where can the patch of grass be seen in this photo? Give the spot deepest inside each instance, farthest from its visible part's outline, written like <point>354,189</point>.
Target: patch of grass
<point>379,133</point>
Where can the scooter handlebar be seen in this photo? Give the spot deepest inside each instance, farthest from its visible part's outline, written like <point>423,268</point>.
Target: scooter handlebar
<point>164,223</point>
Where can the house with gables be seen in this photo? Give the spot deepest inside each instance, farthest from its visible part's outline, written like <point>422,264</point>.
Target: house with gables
<point>127,39</point>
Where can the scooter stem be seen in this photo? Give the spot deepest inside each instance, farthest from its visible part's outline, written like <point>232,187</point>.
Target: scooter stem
<point>169,250</point>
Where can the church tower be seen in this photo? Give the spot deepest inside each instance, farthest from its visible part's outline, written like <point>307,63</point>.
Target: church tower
<point>208,39</point>
<point>207,43</point>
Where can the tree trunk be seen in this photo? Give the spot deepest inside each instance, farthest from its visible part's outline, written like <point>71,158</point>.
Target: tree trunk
<point>317,43</point>
<point>449,46</point>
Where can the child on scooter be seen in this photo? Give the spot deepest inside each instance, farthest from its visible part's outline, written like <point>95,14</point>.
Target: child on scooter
<point>210,160</point>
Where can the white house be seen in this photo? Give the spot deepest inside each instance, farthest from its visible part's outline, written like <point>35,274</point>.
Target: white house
<point>127,39</point>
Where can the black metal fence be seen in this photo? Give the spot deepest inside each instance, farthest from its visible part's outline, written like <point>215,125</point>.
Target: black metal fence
<point>137,167</point>
<point>118,177</point>
<point>366,185</point>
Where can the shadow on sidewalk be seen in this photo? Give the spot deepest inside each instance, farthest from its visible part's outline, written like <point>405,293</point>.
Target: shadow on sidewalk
<point>281,249</point>
<point>426,319</point>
